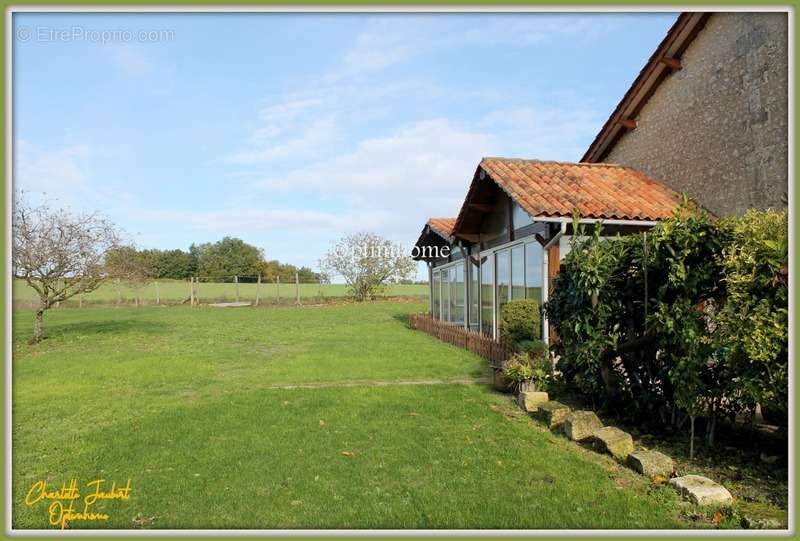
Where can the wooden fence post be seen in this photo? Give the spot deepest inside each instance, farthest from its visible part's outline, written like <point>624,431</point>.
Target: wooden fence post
<point>191,291</point>
<point>278,289</point>
<point>158,295</point>
<point>197,290</point>
<point>236,281</point>
<point>297,287</point>
<point>258,289</point>
<point>119,293</point>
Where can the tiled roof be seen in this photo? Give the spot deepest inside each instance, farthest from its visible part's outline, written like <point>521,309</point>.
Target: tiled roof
<point>443,226</point>
<point>602,191</point>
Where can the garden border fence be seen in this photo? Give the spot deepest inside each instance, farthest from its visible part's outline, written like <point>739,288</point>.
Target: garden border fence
<point>495,352</point>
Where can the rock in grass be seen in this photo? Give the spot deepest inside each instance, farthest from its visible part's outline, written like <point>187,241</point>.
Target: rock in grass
<point>552,413</point>
<point>529,401</point>
<point>701,490</point>
<point>651,463</point>
<point>614,441</point>
<point>579,425</point>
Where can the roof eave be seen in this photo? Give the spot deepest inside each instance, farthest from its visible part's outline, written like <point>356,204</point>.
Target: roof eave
<point>657,68</point>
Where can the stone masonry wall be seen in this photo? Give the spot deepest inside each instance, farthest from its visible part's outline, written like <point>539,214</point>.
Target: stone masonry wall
<point>717,129</point>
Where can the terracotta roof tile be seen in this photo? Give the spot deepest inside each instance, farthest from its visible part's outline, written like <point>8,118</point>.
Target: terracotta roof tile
<point>600,191</point>
<point>443,226</point>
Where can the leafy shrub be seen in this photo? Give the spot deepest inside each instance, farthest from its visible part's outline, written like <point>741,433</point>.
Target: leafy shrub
<point>687,319</point>
<point>520,321</point>
<point>522,368</point>
<point>542,373</point>
<point>755,318</point>
<point>534,348</point>
<point>518,369</point>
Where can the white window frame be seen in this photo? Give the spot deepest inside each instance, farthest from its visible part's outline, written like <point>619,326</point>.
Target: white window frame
<point>490,252</point>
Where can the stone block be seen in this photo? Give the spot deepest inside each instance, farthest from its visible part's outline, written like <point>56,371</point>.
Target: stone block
<point>614,441</point>
<point>530,401</point>
<point>552,413</point>
<point>701,490</point>
<point>579,425</point>
<point>651,463</point>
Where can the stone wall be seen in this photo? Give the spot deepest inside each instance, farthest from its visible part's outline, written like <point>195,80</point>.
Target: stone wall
<point>717,129</point>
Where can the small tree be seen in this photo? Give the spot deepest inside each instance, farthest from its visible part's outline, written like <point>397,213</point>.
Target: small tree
<point>129,265</point>
<point>367,262</point>
<point>59,254</point>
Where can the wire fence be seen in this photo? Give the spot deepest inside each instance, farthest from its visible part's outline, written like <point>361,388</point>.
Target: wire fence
<point>210,290</point>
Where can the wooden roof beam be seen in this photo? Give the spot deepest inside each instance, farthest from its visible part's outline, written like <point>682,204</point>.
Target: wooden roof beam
<point>628,123</point>
<point>674,64</point>
<point>469,237</point>
<point>481,207</point>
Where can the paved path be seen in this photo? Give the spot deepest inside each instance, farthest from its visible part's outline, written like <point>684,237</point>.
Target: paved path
<point>371,383</point>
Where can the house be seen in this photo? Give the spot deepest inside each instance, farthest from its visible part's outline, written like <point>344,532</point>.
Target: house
<point>514,228</point>
<point>707,115</point>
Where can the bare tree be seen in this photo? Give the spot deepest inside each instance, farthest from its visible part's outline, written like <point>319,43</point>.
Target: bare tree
<point>367,262</point>
<point>59,254</point>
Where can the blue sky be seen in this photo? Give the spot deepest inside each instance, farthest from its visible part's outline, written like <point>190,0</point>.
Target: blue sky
<point>291,130</point>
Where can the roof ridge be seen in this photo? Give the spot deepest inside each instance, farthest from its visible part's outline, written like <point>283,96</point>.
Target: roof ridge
<point>559,162</point>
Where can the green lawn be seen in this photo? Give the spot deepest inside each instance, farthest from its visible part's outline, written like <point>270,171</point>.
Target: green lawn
<point>179,400</point>
<point>172,291</point>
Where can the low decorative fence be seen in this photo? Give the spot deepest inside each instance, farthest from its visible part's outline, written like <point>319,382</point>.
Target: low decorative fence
<point>496,353</point>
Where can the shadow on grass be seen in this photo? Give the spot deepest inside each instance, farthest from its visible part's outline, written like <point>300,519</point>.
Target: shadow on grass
<point>104,327</point>
<point>402,317</point>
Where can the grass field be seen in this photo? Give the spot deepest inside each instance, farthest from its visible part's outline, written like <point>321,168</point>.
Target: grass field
<point>182,402</point>
<point>175,291</point>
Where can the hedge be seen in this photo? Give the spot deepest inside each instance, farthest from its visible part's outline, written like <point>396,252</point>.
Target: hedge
<point>688,319</point>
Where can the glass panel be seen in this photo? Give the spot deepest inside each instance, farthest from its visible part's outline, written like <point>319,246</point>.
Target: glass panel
<point>445,288</point>
<point>533,271</point>
<point>519,217</point>
<point>474,292</point>
<point>436,296</point>
<point>487,272</point>
<point>518,272</point>
<point>458,294</point>
<point>503,280</point>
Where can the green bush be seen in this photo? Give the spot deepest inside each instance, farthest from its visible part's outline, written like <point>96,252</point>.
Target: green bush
<point>689,319</point>
<point>534,348</point>
<point>522,368</point>
<point>754,321</point>
<point>520,321</point>
<point>519,368</point>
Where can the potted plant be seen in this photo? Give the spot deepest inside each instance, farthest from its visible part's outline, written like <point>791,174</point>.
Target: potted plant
<point>526,373</point>
<point>519,372</point>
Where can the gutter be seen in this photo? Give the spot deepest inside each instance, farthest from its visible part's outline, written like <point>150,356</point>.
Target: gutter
<point>645,223</point>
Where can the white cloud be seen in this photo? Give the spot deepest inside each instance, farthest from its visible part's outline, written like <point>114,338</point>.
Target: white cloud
<point>402,178</point>
<point>233,221</point>
<point>266,144</point>
<point>383,43</point>
<point>55,174</point>
<point>131,61</point>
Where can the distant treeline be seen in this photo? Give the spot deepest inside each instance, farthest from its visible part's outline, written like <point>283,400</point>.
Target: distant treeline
<point>220,261</point>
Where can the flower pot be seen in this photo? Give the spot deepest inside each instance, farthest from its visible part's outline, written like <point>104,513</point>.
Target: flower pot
<point>526,386</point>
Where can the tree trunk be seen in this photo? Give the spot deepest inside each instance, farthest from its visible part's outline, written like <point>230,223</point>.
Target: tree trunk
<point>38,327</point>
<point>691,440</point>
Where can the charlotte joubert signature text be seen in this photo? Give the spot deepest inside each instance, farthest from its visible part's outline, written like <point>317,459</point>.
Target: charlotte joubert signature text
<point>67,505</point>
